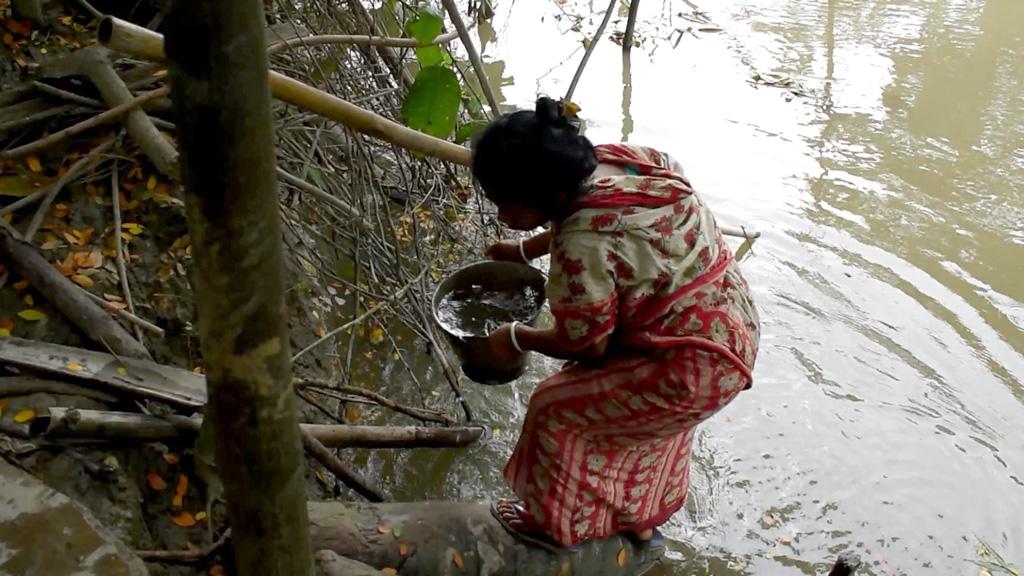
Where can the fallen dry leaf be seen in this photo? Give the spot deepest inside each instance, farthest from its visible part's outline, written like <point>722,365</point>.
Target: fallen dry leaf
<point>185,520</point>
<point>155,482</point>
<point>73,366</point>
<point>93,259</point>
<point>151,183</point>
<point>457,560</point>
<point>566,569</point>
<point>83,281</point>
<point>320,477</point>
<point>403,549</point>
<point>24,415</point>
<point>200,516</point>
<point>352,413</point>
<point>32,315</point>
<point>5,332</point>
<point>177,501</point>
<point>182,486</point>
<point>118,305</point>
<point>169,457</point>
<point>389,570</point>
<point>8,39</point>
<point>383,530</point>
<point>621,557</point>
<point>33,164</point>
<point>122,371</point>
<point>216,570</point>
<point>51,244</point>
<point>28,300</point>
<point>376,335</point>
<point>20,285</point>
<point>6,324</point>
<point>60,210</point>
<point>71,238</point>
<point>19,27</point>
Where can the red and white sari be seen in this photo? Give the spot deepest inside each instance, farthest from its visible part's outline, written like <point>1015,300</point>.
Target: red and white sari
<point>605,447</point>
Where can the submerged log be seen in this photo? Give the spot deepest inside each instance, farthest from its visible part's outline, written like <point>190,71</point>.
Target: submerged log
<point>449,538</point>
<point>60,422</point>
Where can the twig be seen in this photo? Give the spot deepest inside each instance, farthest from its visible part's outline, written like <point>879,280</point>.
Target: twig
<point>326,197</point>
<point>98,120</point>
<point>360,318</point>
<point>349,477</point>
<point>68,176</point>
<point>364,40</point>
<point>127,316</point>
<point>118,246</point>
<point>185,556</point>
<point>590,49</point>
<point>91,9</point>
<point>474,57</point>
<point>54,91</point>
<point>419,414</point>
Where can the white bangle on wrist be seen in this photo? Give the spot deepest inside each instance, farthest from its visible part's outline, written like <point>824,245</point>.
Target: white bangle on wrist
<point>512,336</point>
<point>522,251</point>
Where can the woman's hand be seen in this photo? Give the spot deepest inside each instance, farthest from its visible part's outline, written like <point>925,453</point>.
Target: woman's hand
<point>505,250</point>
<point>501,345</point>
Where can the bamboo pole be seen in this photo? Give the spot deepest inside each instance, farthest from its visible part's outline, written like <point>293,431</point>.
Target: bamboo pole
<point>218,70</point>
<point>590,49</point>
<point>627,38</point>
<point>59,422</point>
<point>362,40</point>
<point>140,42</point>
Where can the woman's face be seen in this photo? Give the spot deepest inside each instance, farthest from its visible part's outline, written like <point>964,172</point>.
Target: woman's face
<point>520,217</point>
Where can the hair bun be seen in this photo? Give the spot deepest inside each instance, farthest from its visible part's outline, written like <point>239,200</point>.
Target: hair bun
<point>549,111</point>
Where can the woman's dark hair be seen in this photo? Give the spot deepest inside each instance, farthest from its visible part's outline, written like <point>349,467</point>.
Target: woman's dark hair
<point>535,158</point>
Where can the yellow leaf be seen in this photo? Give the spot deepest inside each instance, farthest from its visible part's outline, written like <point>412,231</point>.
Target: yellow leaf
<point>171,457</point>
<point>33,164</point>
<point>83,281</point>
<point>177,500</point>
<point>320,476</point>
<point>122,371</point>
<point>376,335</point>
<point>51,244</point>
<point>200,516</point>
<point>151,183</point>
<point>20,285</point>
<point>24,416</point>
<point>403,549</point>
<point>389,570</point>
<point>182,486</point>
<point>74,367</point>
<point>31,315</point>
<point>457,560</point>
<point>155,481</point>
<point>185,520</point>
<point>132,228</point>
<point>28,299</point>
<point>621,558</point>
<point>5,333</point>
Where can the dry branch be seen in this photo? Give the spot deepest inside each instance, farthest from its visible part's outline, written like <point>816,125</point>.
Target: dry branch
<point>474,56</point>
<point>107,117</point>
<point>65,295</point>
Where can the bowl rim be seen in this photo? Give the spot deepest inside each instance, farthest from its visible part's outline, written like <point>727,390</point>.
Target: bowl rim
<point>437,292</point>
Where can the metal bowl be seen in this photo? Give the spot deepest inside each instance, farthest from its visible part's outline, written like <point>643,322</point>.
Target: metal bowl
<point>474,352</point>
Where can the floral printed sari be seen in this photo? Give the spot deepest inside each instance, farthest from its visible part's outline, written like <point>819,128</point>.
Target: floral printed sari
<point>605,446</point>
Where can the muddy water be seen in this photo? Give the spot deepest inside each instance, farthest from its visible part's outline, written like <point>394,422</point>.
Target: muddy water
<point>888,183</point>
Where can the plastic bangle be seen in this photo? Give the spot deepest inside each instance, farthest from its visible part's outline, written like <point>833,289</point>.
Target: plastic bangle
<point>522,251</point>
<point>512,336</point>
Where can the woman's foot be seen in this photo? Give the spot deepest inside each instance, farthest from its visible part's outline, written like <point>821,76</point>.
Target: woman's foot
<point>643,535</point>
<point>512,515</point>
<point>510,511</point>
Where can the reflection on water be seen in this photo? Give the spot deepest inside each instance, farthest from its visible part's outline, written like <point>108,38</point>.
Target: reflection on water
<point>886,414</point>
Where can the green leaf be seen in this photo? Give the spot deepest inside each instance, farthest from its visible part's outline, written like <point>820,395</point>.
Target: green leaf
<point>475,108</point>
<point>468,130</point>
<point>317,177</point>
<point>397,531</point>
<point>433,101</point>
<point>426,26</point>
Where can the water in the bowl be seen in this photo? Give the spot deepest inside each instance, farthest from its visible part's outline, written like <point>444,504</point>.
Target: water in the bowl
<point>476,311</point>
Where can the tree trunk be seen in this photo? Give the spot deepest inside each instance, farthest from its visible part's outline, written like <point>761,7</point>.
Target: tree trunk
<point>218,73</point>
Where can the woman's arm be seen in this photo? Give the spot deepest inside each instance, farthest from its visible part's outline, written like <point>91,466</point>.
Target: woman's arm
<point>534,247</point>
<point>543,340</point>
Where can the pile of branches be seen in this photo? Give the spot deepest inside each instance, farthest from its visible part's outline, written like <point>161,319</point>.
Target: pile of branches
<point>369,227</point>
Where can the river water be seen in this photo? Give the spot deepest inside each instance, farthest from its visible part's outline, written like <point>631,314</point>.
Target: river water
<point>888,184</point>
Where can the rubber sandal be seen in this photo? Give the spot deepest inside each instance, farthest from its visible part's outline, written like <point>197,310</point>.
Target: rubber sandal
<point>536,537</point>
